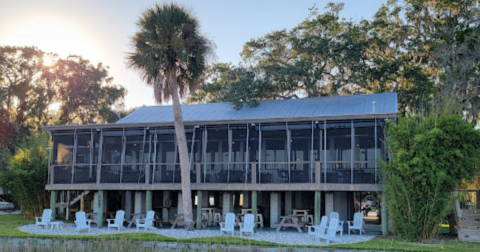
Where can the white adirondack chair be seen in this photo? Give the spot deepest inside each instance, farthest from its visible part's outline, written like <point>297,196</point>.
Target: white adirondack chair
<point>45,219</point>
<point>229,224</point>
<point>321,228</point>
<point>117,222</point>
<point>330,234</point>
<point>357,223</point>
<point>248,225</point>
<point>335,215</point>
<point>82,222</point>
<point>146,223</point>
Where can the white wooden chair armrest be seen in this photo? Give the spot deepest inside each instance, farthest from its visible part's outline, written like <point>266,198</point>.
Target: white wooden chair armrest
<point>88,222</point>
<point>222,224</point>
<point>110,220</point>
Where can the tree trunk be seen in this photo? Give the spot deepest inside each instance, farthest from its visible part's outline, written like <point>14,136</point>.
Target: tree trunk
<point>183,153</point>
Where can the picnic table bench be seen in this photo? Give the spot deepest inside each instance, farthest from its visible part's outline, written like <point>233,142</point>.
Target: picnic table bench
<point>291,221</point>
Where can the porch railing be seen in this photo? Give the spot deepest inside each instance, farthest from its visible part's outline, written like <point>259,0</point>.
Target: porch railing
<point>235,172</point>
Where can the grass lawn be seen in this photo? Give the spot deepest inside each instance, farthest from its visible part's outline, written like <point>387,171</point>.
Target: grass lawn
<point>10,223</point>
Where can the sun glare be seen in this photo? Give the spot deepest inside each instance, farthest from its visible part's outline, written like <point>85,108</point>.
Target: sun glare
<point>53,37</point>
<point>48,61</point>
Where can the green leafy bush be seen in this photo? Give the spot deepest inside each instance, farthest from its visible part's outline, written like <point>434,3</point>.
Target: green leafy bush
<point>430,156</point>
<point>26,175</point>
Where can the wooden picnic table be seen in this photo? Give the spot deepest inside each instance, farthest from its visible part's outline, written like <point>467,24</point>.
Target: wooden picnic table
<point>302,212</point>
<point>291,221</point>
<point>177,221</point>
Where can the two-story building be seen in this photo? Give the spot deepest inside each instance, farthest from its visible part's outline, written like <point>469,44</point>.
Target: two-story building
<point>317,154</point>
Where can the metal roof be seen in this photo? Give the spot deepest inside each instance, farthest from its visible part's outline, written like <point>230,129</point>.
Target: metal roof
<point>333,106</point>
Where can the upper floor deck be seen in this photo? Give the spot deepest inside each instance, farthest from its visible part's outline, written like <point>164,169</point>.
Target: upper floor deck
<point>306,155</point>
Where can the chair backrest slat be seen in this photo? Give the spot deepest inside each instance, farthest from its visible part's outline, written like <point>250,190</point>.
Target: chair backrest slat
<point>358,219</point>
<point>47,215</point>
<point>119,217</point>
<point>334,215</point>
<point>80,218</point>
<point>324,221</point>
<point>332,227</point>
<point>230,220</point>
<point>249,222</point>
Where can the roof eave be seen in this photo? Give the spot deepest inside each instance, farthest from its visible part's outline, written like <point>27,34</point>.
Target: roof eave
<point>216,122</point>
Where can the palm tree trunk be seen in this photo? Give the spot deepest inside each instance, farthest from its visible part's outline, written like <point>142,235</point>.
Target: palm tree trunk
<point>183,153</point>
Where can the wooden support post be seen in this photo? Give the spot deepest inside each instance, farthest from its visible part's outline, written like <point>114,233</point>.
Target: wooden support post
<point>318,173</point>
<point>254,207</point>
<point>100,209</point>
<point>148,201</point>
<point>82,204</point>
<point>67,213</point>
<point>384,215</point>
<point>199,209</point>
<point>318,206</point>
<point>53,204</point>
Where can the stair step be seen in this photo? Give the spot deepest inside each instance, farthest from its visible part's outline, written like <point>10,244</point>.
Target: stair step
<point>470,211</point>
<point>473,228</point>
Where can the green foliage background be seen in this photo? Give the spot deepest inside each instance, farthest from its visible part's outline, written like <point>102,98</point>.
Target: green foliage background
<point>26,175</point>
<point>430,156</point>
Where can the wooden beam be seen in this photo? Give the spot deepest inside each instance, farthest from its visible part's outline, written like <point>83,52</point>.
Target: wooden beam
<point>318,207</point>
<point>148,201</point>
<point>100,209</point>
<point>53,203</point>
<point>199,209</point>
<point>221,187</point>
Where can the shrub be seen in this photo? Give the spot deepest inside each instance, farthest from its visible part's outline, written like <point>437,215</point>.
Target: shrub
<point>430,156</point>
<point>26,175</point>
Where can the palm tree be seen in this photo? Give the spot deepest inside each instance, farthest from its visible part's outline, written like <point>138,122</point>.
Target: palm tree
<point>170,54</point>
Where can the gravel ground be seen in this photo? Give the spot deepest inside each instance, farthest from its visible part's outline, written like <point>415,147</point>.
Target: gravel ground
<point>283,237</point>
<point>10,212</point>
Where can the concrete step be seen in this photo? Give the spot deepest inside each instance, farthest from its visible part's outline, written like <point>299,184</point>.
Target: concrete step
<point>469,237</point>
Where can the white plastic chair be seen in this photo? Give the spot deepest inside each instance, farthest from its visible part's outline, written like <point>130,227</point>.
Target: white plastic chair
<point>334,215</point>
<point>45,219</point>
<point>322,227</point>
<point>217,218</point>
<point>357,223</point>
<point>248,225</point>
<point>260,219</point>
<point>330,234</point>
<point>82,222</point>
<point>117,222</point>
<point>229,224</point>
<point>146,223</point>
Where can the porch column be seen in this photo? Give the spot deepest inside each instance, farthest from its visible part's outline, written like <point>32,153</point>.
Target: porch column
<point>275,208</point>
<point>165,210</point>
<point>318,207</point>
<point>100,209</point>
<point>128,205</point>
<point>53,204</point>
<point>254,206</point>
<point>82,204</point>
<point>288,203</point>
<point>148,201</point>
<point>139,203</point>
<point>227,203</point>
<point>328,203</point>
<point>199,209</point>
<point>384,216</point>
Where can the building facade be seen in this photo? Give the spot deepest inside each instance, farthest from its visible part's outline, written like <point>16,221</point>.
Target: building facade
<point>310,153</point>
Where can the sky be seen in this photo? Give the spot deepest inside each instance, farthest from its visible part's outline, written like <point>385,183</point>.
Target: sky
<point>101,30</point>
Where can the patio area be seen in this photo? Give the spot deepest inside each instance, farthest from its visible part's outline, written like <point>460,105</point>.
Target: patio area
<point>285,237</point>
